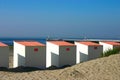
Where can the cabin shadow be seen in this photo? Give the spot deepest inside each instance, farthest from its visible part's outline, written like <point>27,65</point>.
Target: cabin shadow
<point>55,62</point>
<point>83,57</point>
<point>20,67</point>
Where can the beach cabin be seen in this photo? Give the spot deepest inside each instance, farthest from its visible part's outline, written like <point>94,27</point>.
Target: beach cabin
<point>87,50</point>
<point>29,54</point>
<point>109,45</point>
<point>4,55</point>
<point>60,53</point>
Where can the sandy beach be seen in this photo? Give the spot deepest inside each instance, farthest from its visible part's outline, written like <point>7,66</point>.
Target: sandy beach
<point>107,68</point>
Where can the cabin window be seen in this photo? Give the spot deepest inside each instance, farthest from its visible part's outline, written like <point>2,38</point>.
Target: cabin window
<point>36,49</point>
<point>95,47</point>
<point>67,49</point>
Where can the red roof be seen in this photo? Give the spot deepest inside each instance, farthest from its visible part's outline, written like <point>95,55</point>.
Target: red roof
<point>30,43</point>
<point>112,43</point>
<point>89,43</point>
<point>62,43</point>
<point>2,44</point>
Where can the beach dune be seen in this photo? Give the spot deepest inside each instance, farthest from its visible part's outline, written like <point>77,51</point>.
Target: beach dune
<point>107,68</point>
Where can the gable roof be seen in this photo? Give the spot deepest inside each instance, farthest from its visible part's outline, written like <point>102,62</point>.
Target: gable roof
<point>62,43</point>
<point>88,43</point>
<point>2,44</point>
<point>30,43</point>
<point>111,43</point>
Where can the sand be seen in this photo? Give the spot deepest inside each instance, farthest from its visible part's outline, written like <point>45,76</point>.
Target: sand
<point>107,68</point>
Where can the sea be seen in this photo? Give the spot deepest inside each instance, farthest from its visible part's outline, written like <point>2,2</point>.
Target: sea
<point>9,41</point>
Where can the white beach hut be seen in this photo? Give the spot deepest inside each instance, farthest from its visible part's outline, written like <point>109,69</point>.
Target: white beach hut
<point>60,53</point>
<point>87,50</point>
<point>4,55</point>
<point>109,45</point>
<point>29,54</point>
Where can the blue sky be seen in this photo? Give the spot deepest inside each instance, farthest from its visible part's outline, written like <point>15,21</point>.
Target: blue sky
<point>60,18</point>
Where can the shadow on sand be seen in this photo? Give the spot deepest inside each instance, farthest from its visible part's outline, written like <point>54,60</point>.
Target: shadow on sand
<point>19,69</point>
<point>29,69</point>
